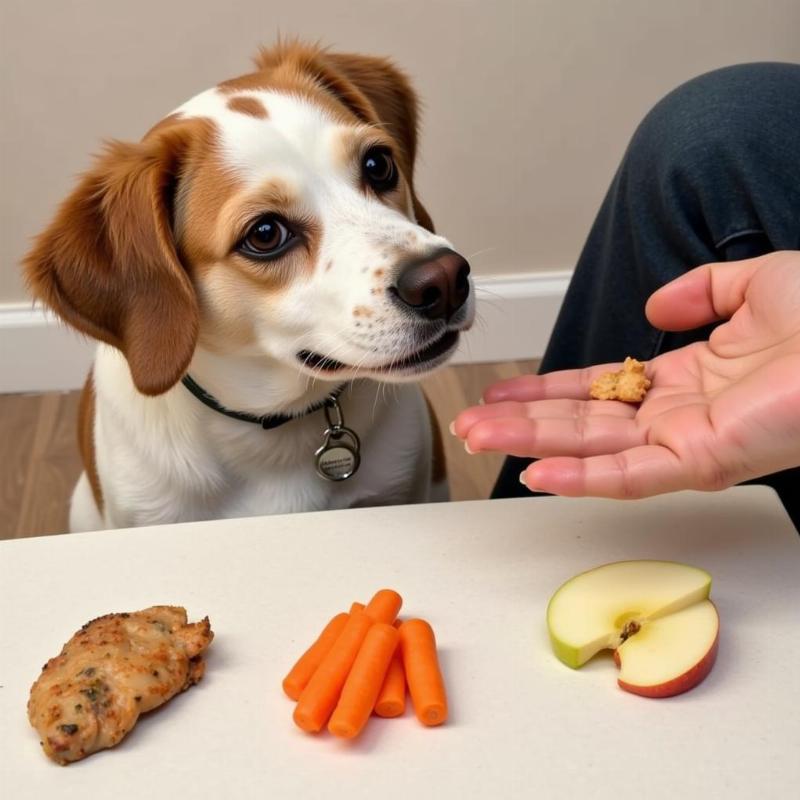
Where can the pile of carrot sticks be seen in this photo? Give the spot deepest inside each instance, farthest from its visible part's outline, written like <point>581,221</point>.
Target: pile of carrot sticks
<point>361,664</point>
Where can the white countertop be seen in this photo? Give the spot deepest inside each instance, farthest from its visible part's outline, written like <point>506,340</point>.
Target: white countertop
<point>522,724</point>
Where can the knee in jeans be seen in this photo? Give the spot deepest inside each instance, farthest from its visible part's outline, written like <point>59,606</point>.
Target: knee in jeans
<point>716,114</point>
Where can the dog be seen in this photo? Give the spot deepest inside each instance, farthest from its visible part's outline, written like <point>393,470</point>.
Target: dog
<point>256,270</point>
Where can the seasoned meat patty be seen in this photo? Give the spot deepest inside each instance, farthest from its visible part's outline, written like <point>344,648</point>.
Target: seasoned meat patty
<point>113,669</point>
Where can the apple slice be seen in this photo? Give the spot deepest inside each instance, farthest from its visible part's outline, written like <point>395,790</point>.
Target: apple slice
<point>597,610</point>
<point>670,655</point>
<point>655,615</point>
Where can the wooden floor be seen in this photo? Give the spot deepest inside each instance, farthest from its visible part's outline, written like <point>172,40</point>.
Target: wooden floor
<point>39,462</point>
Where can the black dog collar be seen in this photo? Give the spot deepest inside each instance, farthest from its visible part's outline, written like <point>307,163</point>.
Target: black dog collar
<point>267,421</point>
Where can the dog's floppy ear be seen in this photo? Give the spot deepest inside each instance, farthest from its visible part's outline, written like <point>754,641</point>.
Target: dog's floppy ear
<point>389,92</point>
<point>107,264</point>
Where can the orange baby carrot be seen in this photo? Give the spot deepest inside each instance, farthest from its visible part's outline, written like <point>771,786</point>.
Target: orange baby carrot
<point>384,606</point>
<point>425,683</point>
<point>357,607</point>
<point>320,696</point>
<point>300,674</point>
<point>391,700</point>
<point>364,681</point>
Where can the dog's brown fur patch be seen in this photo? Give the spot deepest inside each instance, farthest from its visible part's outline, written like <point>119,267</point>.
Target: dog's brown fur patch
<point>86,440</point>
<point>251,106</point>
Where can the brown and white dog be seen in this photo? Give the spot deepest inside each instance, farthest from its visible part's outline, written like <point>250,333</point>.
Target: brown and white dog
<point>266,240</point>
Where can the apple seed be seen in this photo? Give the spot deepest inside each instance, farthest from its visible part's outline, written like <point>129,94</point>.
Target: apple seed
<point>630,628</point>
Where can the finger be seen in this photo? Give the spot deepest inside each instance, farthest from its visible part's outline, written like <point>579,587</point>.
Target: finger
<point>639,472</point>
<point>569,409</point>
<point>542,438</point>
<point>703,295</point>
<point>567,383</point>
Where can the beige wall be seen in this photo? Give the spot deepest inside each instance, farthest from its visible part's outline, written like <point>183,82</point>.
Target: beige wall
<point>529,104</point>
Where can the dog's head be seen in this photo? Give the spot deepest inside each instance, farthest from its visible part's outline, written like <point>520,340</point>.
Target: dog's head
<point>274,215</point>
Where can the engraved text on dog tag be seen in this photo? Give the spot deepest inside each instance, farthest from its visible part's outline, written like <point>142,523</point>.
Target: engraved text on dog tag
<point>338,457</point>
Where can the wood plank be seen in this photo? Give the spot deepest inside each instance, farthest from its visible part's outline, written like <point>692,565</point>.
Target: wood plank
<point>18,417</point>
<point>54,467</point>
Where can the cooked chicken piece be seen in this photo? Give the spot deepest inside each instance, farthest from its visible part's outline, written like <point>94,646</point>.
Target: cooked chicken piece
<point>113,669</point>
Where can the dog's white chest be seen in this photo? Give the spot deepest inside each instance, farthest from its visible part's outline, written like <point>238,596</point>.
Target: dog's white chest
<point>171,459</point>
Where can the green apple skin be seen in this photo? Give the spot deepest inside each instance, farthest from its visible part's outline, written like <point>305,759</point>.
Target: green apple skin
<point>566,654</point>
<point>608,634</point>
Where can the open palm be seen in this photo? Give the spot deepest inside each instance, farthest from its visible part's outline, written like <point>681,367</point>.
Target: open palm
<point>718,412</point>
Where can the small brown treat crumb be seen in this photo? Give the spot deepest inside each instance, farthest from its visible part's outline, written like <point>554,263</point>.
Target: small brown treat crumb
<point>629,384</point>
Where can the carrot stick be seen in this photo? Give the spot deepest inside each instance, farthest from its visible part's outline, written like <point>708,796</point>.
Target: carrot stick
<point>300,674</point>
<point>391,700</point>
<point>425,683</point>
<point>364,681</point>
<point>384,606</point>
<point>357,607</point>
<point>320,696</point>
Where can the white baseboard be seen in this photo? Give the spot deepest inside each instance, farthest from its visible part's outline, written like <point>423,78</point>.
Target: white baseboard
<point>38,353</point>
<point>515,316</point>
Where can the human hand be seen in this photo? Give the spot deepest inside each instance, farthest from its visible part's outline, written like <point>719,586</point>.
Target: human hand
<point>717,413</point>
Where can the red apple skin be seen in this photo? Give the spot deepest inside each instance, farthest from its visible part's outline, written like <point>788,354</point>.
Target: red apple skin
<point>678,685</point>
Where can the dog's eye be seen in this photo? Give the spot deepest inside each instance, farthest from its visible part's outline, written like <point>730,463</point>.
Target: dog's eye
<point>267,236</point>
<point>379,169</point>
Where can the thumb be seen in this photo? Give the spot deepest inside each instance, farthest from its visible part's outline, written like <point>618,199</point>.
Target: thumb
<point>703,295</point>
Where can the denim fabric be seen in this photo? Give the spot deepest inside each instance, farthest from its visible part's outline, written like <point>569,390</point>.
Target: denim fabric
<point>711,174</point>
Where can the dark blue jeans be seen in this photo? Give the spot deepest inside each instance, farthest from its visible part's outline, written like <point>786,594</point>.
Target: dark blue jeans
<point>711,174</point>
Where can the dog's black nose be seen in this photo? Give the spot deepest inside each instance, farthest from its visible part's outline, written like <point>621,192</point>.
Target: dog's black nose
<point>434,287</point>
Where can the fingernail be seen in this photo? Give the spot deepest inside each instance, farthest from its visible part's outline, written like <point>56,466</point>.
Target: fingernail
<point>468,449</point>
<point>481,402</point>
<point>452,428</point>
<point>522,478</point>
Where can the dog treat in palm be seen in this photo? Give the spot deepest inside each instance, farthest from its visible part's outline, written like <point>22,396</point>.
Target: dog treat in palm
<point>628,384</point>
<point>113,669</point>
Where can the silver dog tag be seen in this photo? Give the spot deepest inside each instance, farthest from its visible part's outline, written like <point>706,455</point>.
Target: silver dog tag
<point>338,458</point>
